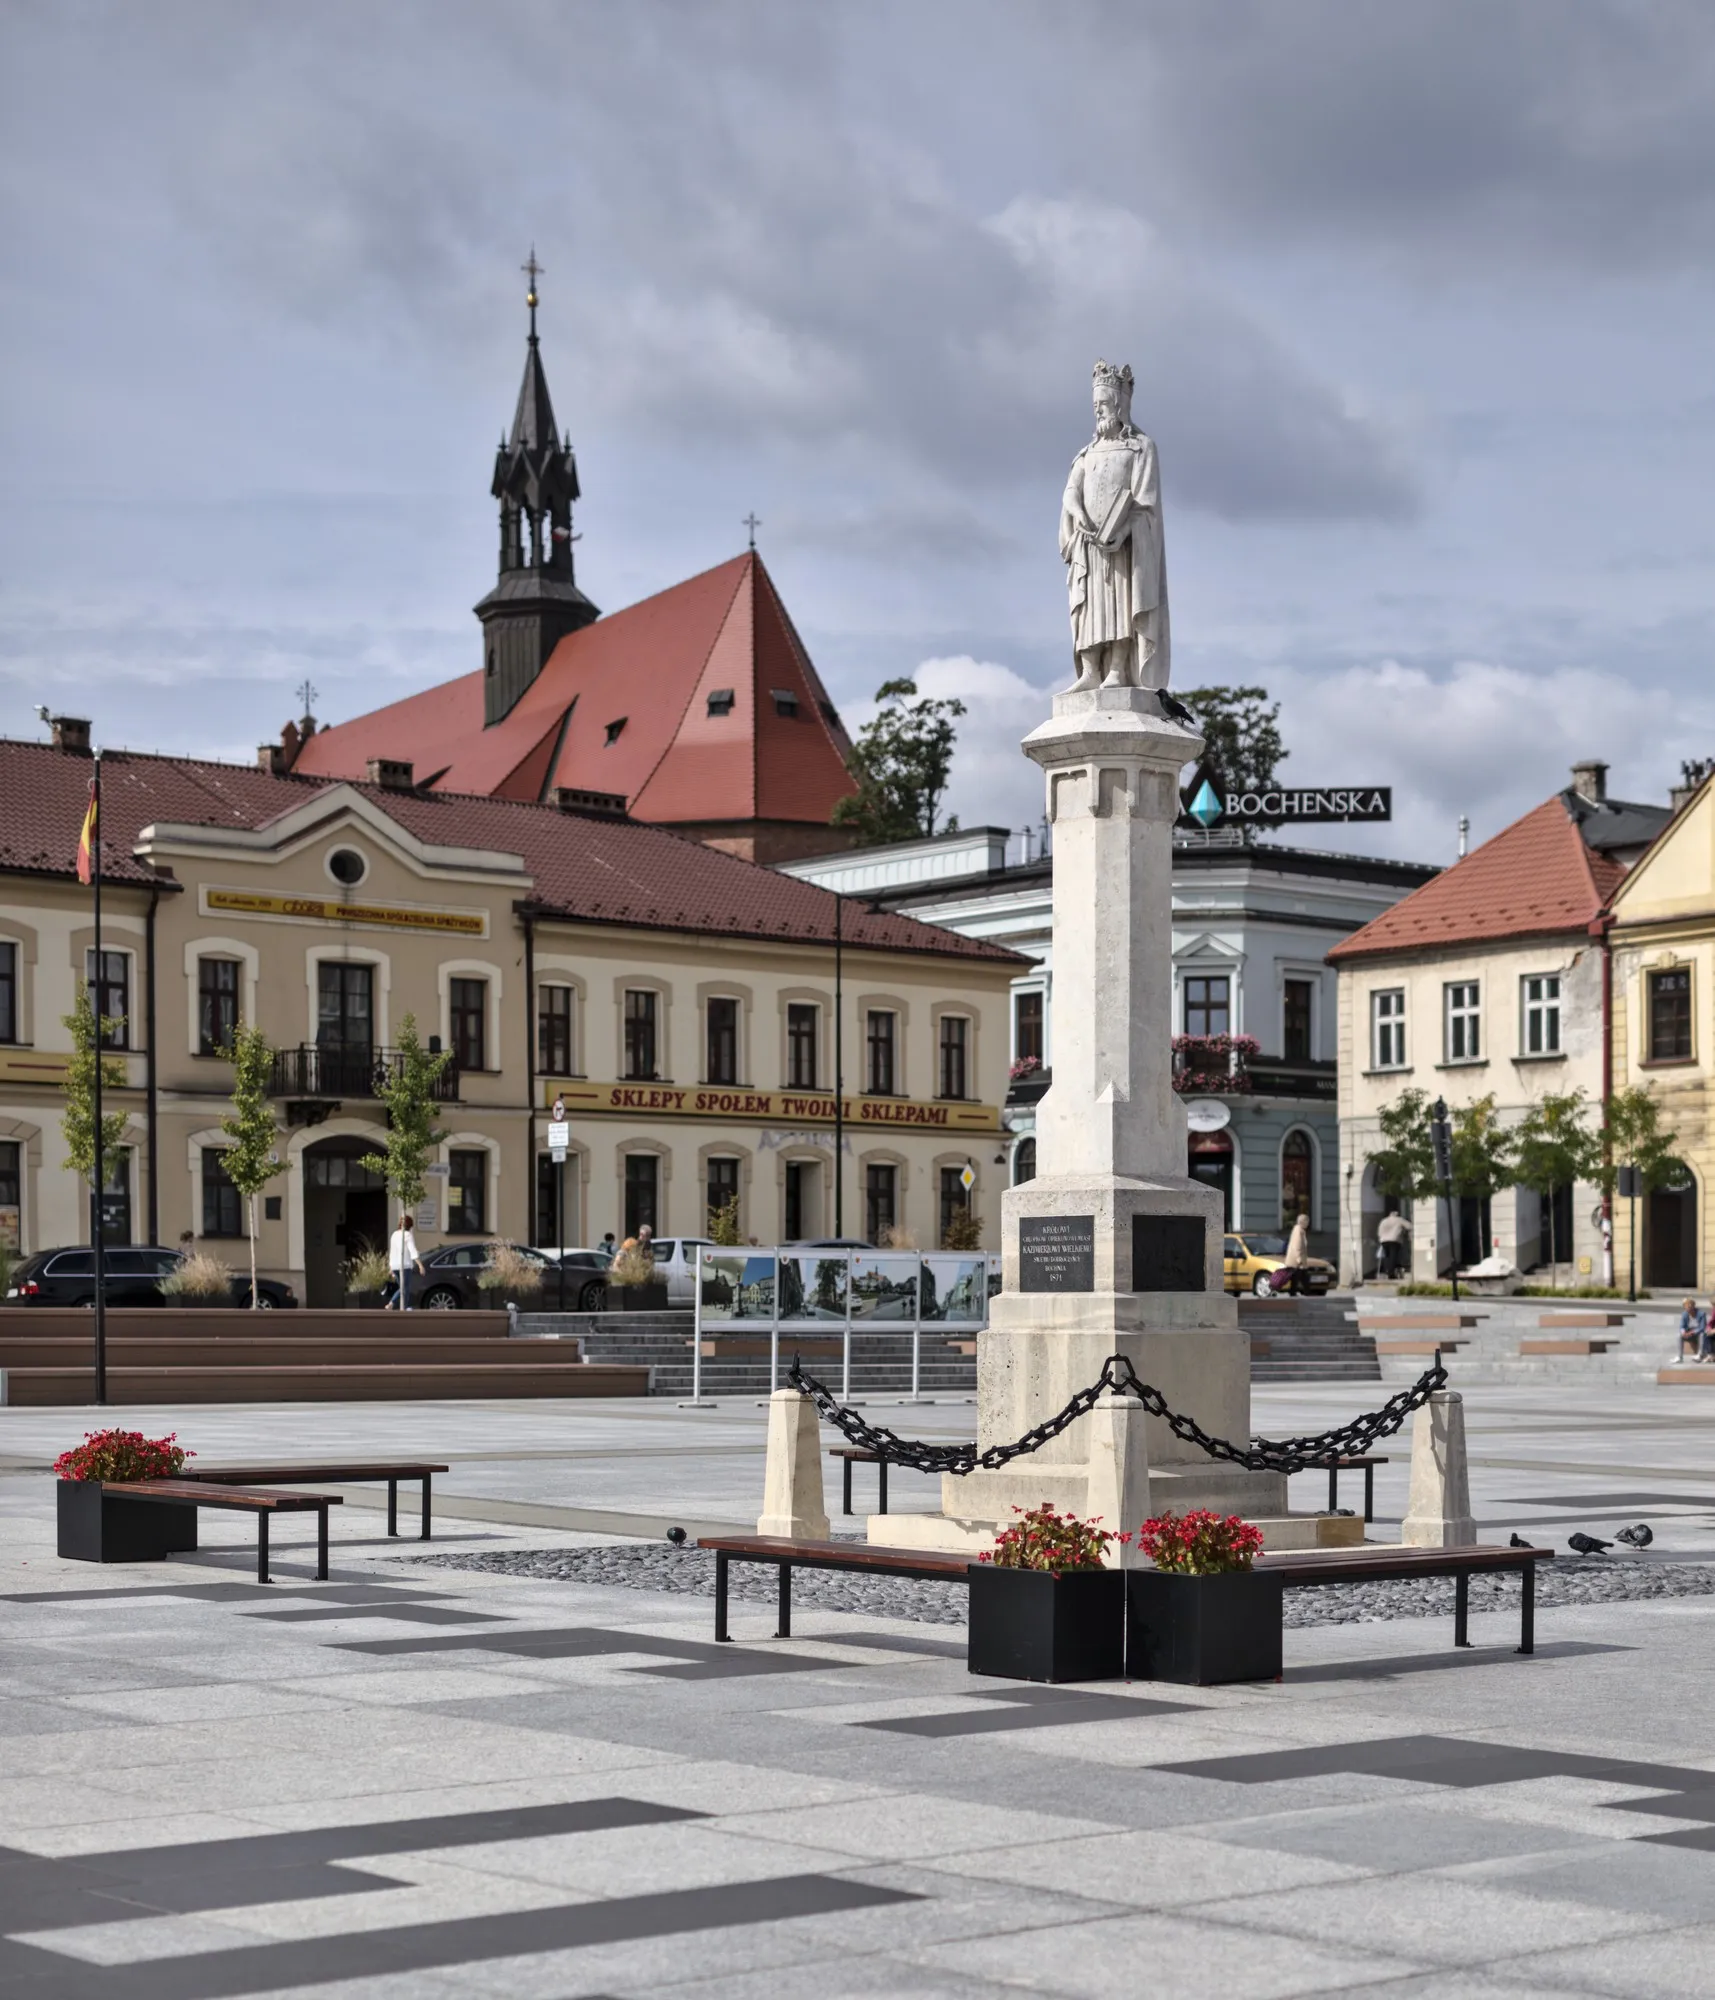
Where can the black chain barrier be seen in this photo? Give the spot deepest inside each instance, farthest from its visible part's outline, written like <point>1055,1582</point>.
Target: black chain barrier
<point>1260,1455</point>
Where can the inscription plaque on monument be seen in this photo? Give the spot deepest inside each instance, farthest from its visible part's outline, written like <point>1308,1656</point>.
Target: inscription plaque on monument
<point>1167,1253</point>
<point>1057,1253</point>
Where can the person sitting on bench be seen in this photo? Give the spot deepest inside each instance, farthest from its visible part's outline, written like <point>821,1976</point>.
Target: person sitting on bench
<point>1693,1333</point>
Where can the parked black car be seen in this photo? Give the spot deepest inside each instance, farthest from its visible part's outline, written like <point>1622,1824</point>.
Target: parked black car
<point>585,1282</point>
<point>448,1280</point>
<point>134,1273</point>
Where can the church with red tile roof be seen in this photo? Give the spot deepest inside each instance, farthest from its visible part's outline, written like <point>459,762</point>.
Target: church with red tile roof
<point>698,707</point>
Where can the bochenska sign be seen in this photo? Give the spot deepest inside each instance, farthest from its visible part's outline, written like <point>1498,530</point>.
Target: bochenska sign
<point>1209,802</point>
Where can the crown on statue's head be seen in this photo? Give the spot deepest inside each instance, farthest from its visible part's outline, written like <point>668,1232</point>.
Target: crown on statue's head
<point>1120,379</point>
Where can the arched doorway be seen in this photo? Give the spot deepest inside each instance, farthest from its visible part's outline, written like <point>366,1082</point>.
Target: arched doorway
<point>345,1211</point>
<point>1670,1237</point>
<point>1209,1159</point>
<point>1297,1177</point>
<point>1023,1162</point>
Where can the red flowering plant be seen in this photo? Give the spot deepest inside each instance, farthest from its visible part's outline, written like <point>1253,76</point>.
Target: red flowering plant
<point>123,1455</point>
<point>1043,1539</point>
<point>1200,1543</point>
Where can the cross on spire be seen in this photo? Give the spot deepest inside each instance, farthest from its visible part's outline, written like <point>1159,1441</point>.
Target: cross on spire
<point>307,694</point>
<point>533,270</point>
<point>752,523</point>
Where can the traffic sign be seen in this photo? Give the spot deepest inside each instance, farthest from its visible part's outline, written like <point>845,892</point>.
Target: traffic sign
<point>967,1180</point>
<point>559,1137</point>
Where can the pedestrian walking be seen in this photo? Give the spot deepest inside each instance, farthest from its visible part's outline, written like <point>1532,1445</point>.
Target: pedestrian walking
<point>1393,1232</point>
<point>402,1259</point>
<point>1297,1256</point>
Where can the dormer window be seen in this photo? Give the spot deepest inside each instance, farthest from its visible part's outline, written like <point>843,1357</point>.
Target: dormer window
<point>614,729</point>
<point>785,701</point>
<point>720,701</point>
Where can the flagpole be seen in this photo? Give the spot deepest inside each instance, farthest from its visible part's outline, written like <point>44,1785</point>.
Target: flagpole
<point>99,1177</point>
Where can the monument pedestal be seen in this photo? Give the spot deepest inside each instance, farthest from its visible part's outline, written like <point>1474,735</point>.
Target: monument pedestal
<point>1112,1248</point>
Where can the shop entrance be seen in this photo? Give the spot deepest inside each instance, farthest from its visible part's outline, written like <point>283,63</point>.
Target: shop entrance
<point>1670,1237</point>
<point>345,1212</point>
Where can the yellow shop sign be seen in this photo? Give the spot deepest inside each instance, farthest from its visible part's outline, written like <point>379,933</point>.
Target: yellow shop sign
<point>373,916</point>
<point>767,1107</point>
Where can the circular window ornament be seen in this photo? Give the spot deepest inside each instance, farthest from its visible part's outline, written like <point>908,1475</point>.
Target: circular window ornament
<point>347,867</point>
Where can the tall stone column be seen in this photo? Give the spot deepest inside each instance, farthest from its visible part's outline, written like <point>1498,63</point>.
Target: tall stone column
<point>1112,1248</point>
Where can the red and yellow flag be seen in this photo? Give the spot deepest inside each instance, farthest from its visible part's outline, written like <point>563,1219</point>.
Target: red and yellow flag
<point>87,838</point>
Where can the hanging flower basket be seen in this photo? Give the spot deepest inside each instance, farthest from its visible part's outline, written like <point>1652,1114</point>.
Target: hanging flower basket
<point>1043,1607</point>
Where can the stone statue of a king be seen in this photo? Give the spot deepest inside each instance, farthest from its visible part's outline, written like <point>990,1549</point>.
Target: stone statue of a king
<point>1110,541</point>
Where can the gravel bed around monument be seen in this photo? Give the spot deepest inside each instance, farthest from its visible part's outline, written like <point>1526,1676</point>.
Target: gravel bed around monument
<point>626,1566</point>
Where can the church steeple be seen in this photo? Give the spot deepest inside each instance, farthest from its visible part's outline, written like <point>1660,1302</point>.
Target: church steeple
<point>535,601</point>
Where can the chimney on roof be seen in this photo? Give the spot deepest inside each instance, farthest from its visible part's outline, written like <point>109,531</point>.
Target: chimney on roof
<point>1693,774</point>
<point>278,758</point>
<point>591,805</point>
<point>1590,781</point>
<point>392,774</point>
<point>71,734</point>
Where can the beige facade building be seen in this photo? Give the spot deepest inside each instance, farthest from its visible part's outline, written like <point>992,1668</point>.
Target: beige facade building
<point>691,1009</point>
<point>1662,937</point>
<point>1487,981</point>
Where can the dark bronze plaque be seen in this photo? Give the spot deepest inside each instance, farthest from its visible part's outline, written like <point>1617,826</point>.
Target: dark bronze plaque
<point>1057,1253</point>
<point>1167,1253</point>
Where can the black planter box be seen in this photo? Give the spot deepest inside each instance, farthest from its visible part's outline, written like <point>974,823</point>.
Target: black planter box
<point>1034,1625</point>
<point>365,1301</point>
<point>99,1527</point>
<point>650,1298</point>
<point>1203,1630</point>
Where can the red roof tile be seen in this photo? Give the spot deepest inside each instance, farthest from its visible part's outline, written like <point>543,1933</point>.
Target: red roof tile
<point>592,870</point>
<point>1534,877</point>
<point>652,668</point>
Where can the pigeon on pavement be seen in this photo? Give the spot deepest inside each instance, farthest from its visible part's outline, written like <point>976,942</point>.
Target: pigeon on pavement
<point>1639,1537</point>
<point>1586,1545</point>
<point>1519,1542</point>
<point>677,1537</point>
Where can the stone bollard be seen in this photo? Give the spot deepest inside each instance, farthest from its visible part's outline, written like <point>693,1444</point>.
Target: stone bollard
<point>1119,1473</point>
<point>792,1503</point>
<point>1438,1514</point>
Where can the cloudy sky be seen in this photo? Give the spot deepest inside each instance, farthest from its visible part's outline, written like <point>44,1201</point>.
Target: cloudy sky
<point>1418,296</point>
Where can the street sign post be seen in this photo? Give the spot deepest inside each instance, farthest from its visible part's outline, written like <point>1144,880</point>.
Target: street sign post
<point>559,1144</point>
<point>1441,1139</point>
<point>1629,1183</point>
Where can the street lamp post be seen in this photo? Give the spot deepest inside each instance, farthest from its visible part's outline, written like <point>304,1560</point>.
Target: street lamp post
<point>1441,1138</point>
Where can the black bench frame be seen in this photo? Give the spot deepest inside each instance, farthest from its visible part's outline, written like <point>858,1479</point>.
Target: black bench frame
<point>1312,1569</point>
<point>850,1455</point>
<point>238,1501</point>
<point>359,1472</point>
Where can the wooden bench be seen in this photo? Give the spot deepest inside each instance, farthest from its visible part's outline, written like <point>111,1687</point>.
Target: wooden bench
<point>853,1456</point>
<point>238,1500</point>
<point>1566,1346</point>
<point>787,1556</point>
<point>1420,1346</point>
<point>1335,1466</point>
<point>1561,1320</point>
<point>331,1473</point>
<point>1371,1564</point>
<point>731,1347</point>
<point>1381,1563</point>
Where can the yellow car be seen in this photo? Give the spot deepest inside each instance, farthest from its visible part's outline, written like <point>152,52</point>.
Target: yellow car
<point>1249,1261</point>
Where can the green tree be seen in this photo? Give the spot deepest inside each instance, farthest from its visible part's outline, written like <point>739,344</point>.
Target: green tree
<point>1483,1150</point>
<point>1632,1137</point>
<point>252,1160</point>
<point>1405,1165</point>
<point>723,1222</point>
<point>1241,734</point>
<point>901,762</point>
<point>77,1121</point>
<point>413,1123</point>
<point>1556,1148</point>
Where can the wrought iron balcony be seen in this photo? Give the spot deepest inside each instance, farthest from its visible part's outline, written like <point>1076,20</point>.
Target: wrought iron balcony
<point>309,1072</point>
<point>1213,1065</point>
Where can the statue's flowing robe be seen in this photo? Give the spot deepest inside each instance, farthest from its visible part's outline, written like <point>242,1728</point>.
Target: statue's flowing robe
<point>1110,539</point>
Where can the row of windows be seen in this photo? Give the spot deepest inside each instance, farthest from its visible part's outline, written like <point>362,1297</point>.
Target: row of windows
<point>642,1196</point>
<point>345,1021</point>
<point>1667,1019</point>
<point>1207,1009</point>
<point>1462,1021</point>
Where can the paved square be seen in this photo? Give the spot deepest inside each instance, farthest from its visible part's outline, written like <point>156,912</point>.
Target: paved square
<point>425,1780</point>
